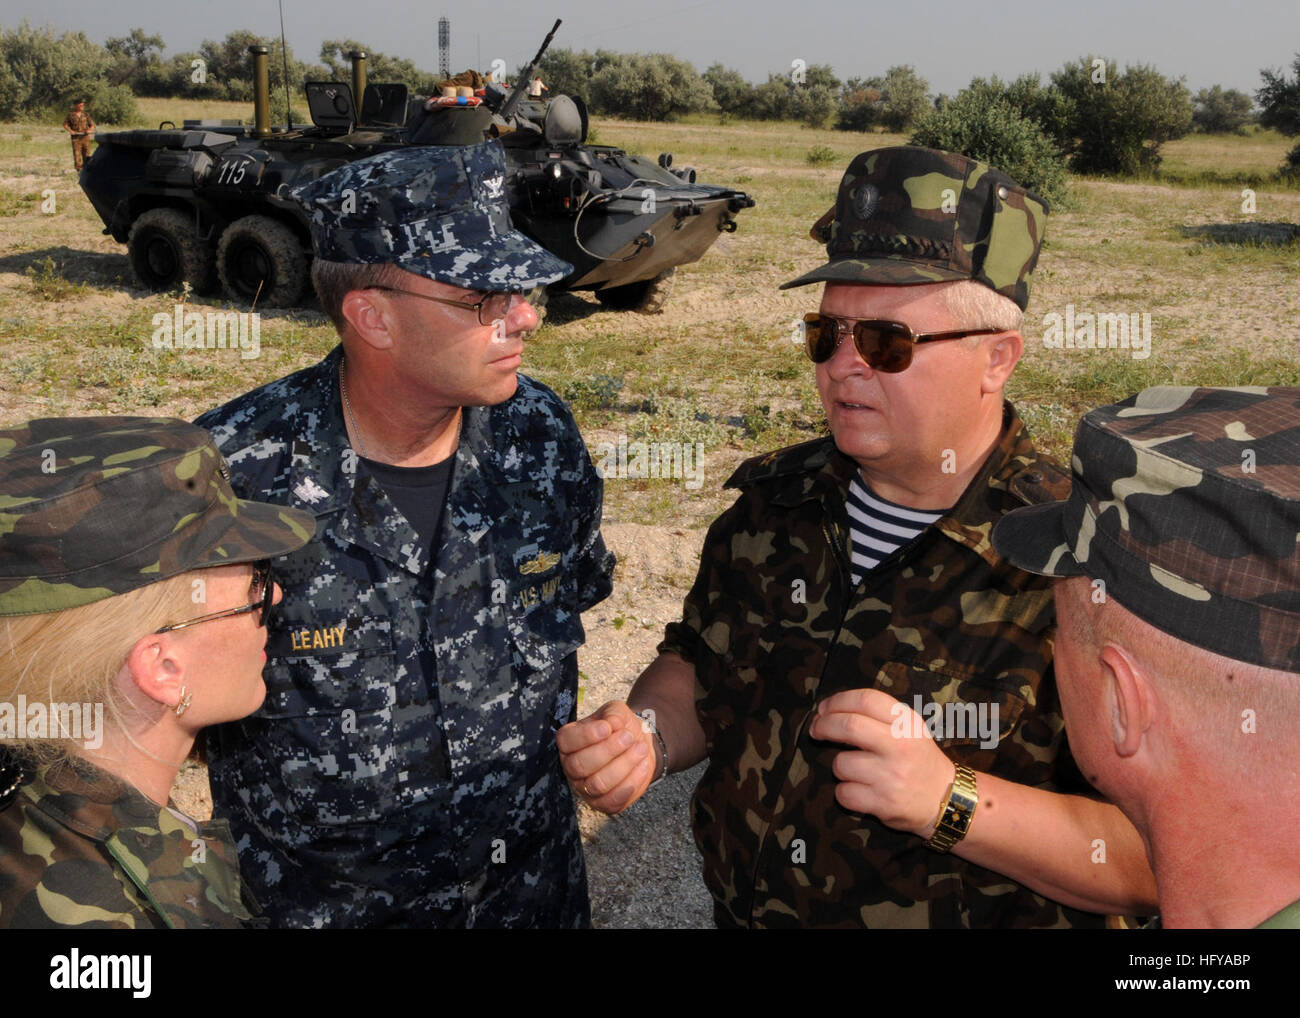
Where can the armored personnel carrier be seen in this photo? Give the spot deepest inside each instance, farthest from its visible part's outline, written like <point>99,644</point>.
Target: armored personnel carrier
<point>207,204</point>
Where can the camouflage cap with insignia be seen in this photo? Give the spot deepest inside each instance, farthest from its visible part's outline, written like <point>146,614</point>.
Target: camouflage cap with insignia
<point>909,215</point>
<point>438,211</point>
<point>96,506</point>
<point>1186,504</point>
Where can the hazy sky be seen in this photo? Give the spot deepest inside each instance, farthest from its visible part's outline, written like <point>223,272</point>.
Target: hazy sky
<point>948,41</point>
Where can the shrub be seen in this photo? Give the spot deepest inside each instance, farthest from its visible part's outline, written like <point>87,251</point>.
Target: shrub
<point>982,122</point>
<point>652,86</point>
<point>111,104</point>
<point>40,71</point>
<point>1220,111</point>
<point>820,155</point>
<point>1117,122</point>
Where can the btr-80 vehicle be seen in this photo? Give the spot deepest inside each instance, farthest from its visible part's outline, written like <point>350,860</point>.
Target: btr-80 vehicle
<point>209,202</point>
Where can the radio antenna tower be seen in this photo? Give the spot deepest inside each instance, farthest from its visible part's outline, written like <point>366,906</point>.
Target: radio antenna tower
<point>444,48</point>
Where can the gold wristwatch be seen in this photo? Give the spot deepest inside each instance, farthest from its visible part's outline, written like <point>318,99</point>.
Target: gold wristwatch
<point>956,811</point>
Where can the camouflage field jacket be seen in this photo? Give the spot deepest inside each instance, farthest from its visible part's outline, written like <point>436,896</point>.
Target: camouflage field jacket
<point>774,625</point>
<point>81,849</point>
<point>359,795</point>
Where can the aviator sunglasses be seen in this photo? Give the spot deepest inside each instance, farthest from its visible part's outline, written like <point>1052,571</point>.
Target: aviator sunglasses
<point>262,592</point>
<point>885,346</point>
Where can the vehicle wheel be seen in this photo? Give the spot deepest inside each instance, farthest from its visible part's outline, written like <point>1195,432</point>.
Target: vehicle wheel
<point>646,297</point>
<point>261,262</point>
<point>164,252</point>
<point>537,298</point>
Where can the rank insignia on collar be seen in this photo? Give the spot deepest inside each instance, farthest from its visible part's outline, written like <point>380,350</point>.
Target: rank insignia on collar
<point>543,562</point>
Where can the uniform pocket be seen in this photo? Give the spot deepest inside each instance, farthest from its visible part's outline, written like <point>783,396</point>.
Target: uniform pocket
<point>970,716</point>
<point>327,666</point>
<point>544,642</point>
<point>323,738</point>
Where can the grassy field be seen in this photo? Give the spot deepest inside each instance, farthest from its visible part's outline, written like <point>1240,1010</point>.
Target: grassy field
<point>718,367</point>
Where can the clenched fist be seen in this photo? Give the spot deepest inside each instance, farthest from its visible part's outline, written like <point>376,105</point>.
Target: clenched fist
<point>609,757</point>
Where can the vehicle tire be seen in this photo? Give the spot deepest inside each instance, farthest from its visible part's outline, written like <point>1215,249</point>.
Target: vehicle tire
<point>164,252</point>
<point>646,297</point>
<point>537,297</point>
<point>261,262</point>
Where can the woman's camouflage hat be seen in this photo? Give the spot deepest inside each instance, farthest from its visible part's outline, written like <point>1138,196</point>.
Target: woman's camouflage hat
<point>1186,504</point>
<point>96,506</point>
<point>909,215</point>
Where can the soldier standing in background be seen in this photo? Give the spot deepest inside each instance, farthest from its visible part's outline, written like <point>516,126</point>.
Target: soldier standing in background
<point>403,770</point>
<point>79,124</point>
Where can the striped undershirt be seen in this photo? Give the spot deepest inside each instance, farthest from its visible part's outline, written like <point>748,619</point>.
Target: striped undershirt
<point>878,528</point>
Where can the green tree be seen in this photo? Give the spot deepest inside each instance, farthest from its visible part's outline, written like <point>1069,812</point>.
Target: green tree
<point>655,86</point>
<point>566,72</point>
<point>859,107</point>
<point>133,55</point>
<point>40,73</point>
<point>1279,108</point>
<point>731,90</point>
<point>904,97</point>
<point>894,101</point>
<point>1222,111</point>
<point>1117,122</point>
<point>379,66</point>
<point>1279,99</point>
<point>986,121</point>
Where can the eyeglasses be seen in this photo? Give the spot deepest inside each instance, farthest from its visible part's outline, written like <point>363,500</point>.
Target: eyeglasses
<point>885,346</point>
<point>262,592</point>
<point>492,308</point>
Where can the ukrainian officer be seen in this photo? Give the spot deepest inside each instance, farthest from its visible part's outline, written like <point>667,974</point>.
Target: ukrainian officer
<point>403,770</point>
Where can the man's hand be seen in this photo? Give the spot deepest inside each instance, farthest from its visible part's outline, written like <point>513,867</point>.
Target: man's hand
<point>608,756</point>
<point>898,778</point>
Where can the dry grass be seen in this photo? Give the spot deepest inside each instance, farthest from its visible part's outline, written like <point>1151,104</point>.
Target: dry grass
<point>718,366</point>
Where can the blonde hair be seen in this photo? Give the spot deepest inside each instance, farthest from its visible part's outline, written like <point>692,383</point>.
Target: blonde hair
<point>335,280</point>
<point>73,656</point>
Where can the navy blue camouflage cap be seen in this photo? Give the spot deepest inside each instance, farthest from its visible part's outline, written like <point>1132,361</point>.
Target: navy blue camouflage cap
<point>1185,503</point>
<point>439,211</point>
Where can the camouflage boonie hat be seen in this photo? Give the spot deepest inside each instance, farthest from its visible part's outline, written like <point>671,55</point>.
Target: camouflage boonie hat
<point>96,506</point>
<point>439,211</point>
<point>909,215</point>
<point>1186,503</point>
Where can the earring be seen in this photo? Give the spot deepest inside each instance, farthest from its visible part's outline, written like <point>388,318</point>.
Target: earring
<point>184,705</point>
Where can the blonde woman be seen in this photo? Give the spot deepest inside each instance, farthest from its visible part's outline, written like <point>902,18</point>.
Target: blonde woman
<point>134,593</point>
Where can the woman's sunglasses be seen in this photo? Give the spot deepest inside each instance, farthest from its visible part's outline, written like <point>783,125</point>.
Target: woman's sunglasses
<point>885,346</point>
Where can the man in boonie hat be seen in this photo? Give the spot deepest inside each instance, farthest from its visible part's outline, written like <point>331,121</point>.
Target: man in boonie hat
<point>1177,558</point>
<point>851,597</point>
<point>403,770</point>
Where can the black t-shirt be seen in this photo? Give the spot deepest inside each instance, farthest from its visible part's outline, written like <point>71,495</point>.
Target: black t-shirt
<point>419,492</point>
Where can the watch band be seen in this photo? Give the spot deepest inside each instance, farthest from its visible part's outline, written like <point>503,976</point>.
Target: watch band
<point>956,811</point>
<point>647,719</point>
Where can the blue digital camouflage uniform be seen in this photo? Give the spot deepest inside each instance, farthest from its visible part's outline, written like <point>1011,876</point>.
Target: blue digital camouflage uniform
<point>358,795</point>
